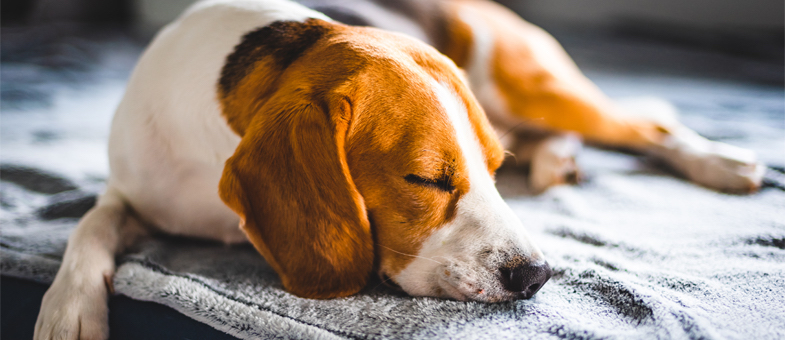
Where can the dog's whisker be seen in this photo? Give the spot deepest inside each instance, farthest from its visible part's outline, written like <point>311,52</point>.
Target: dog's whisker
<point>383,282</point>
<point>421,257</point>
<point>511,129</point>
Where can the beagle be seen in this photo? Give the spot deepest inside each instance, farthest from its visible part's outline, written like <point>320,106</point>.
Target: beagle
<point>343,151</point>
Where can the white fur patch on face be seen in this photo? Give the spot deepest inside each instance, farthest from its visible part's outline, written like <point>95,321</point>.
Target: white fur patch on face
<point>461,259</point>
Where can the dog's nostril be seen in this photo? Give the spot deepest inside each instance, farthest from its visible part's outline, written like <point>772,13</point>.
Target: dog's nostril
<point>506,275</point>
<point>525,279</point>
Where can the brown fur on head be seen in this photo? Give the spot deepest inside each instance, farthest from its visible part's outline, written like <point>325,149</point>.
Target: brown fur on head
<point>344,134</point>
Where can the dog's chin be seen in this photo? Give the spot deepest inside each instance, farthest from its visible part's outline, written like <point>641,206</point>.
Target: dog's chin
<point>465,292</point>
<point>449,291</point>
<point>440,287</point>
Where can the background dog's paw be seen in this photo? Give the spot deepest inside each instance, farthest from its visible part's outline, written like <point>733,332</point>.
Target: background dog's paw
<point>712,164</point>
<point>553,162</point>
<point>68,312</point>
<point>728,168</point>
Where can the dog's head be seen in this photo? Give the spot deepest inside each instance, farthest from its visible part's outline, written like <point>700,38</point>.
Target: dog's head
<point>364,150</point>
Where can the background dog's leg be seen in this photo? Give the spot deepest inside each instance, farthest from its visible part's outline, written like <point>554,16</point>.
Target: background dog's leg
<point>519,73</point>
<point>75,306</point>
<point>712,164</point>
<point>550,157</point>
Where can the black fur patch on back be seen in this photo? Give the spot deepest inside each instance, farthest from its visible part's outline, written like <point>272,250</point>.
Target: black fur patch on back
<point>285,41</point>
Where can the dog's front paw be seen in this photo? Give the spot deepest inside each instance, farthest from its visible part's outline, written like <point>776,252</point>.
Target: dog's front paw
<point>713,164</point>
<point>73,310</point>
<point>553,162</point>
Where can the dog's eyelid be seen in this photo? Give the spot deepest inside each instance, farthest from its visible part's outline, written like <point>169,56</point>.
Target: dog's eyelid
<point>443,183</point>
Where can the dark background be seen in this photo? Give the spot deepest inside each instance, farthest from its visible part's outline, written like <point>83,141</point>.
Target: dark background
<point>594,32</point>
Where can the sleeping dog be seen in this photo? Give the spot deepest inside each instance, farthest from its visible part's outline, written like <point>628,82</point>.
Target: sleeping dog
<point>342,151</point>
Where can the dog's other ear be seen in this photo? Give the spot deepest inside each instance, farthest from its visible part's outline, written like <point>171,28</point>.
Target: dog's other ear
<point>289,182</point>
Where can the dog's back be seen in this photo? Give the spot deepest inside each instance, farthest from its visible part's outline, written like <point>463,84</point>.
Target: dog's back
<point>422,19</point>
<point>169,141</point>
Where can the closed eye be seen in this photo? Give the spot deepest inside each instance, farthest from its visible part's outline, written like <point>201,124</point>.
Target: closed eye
<point>442,184</point>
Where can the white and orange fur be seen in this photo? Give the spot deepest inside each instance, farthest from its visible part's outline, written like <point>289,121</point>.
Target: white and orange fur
<point>368,152</point>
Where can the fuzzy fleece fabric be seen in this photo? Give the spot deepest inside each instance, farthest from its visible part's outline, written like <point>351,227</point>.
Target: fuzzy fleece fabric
<point>637,252</point>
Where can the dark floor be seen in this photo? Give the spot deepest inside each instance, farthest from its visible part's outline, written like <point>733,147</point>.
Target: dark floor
<point>128,319</point>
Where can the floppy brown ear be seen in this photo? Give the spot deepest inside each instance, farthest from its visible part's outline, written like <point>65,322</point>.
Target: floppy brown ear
<point>290,183</point>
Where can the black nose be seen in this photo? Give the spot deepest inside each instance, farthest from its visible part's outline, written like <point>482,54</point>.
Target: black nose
<point>526,279</point>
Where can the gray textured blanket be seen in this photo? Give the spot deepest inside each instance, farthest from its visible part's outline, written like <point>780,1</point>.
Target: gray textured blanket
<point>637,252</point>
